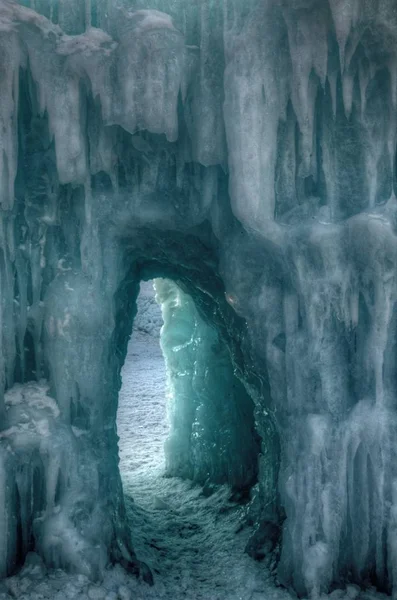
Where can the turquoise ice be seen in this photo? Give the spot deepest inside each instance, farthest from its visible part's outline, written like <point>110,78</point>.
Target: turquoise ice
<point>246,152</point>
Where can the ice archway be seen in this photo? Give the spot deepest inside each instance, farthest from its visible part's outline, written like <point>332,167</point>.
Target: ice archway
<point>246,150</point>
<point>57,498</point>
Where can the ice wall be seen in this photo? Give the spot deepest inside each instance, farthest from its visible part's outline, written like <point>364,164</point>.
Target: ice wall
<point>212,431</point>
<point>46,469</point>
<point>238,146</point>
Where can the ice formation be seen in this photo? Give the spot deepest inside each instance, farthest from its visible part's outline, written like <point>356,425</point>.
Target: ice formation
<point>212,437</point>
<point>246,151</point>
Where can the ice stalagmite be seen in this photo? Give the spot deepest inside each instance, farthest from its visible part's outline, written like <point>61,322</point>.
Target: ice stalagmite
<point>247,151</point>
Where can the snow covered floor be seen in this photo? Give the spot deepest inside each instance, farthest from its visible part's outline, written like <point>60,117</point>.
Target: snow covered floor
<point>188,539</point>
<point>141,419</point>
<point>192,542</point>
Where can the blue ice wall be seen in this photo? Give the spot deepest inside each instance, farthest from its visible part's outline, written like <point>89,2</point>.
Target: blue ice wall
<point>212,430</point>
<point>248,149</point>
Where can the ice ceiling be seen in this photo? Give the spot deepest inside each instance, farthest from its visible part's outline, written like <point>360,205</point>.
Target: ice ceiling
<point>247,151</point>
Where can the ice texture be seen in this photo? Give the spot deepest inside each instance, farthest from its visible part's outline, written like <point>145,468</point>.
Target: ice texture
<point>212,431</point>
<point>44,465</point>
<point>246,151</point>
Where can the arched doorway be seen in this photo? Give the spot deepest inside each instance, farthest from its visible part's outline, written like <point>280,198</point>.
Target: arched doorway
<point>187,509</point>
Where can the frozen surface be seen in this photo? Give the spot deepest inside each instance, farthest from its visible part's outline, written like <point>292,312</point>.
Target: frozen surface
<point>42,465</point>
<point>189,579</point>
<point>212,435</point>
<point>188,539</point>
<point>142,423</point>
<point>246,150</point>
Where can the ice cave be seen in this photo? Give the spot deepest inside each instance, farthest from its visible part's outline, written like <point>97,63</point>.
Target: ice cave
<point>198,299</point>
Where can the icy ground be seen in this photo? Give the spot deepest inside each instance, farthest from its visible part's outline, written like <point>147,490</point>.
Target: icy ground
<point>193,542</point>
<point>188,539</point>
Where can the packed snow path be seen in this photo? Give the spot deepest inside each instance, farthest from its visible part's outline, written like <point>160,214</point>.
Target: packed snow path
<point>141,419</point>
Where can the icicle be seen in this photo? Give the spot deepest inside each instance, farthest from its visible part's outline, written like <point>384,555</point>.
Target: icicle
<point>87,14</point>
<point>23,482</point>
<point>332,80</point>
<point>345,15</point>
<point>363,82</point>
<point>88,203</point>
<point>392,536</point>
<point>4,514</point>
<point>21,269</point>
<point>393,82</point>
<point>210,188</point>
<point>11,59</point>
<point>383,306</point>
<point>354,299</point>
<point>347,85</point>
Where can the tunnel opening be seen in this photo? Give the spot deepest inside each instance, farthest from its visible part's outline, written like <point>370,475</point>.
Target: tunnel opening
<point>221,457</point>
<point>219,503</point>
<point>182,410</point>
<point>188,443</point>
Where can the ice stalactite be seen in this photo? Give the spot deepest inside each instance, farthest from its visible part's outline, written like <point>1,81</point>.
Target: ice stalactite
<point>251,145</point>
